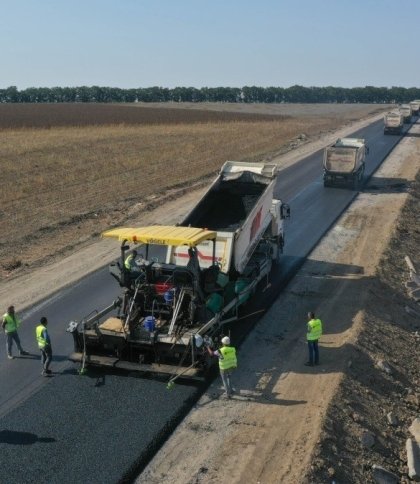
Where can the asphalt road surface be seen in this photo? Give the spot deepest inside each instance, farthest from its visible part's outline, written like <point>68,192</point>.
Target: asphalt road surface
<point>104,426</point>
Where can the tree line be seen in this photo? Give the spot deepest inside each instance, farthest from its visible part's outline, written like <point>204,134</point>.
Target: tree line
<point>247,94</point>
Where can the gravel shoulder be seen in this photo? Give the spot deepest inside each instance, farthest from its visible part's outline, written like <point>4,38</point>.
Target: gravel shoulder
<point>286,423</point>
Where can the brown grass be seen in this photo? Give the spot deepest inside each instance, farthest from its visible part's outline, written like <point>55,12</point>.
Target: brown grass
<point>61,185</point>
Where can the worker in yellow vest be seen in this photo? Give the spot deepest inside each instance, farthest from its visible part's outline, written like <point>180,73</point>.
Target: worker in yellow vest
<point>313,334</point>
<point>227,363</point>
<point>133,266</point>
<point>10,324</point>
<point>44,344</point>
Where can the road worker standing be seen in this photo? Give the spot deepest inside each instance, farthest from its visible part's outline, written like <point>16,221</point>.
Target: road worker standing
<point>313,334</point>
<point>44,344</point>
<point>227,363</point>
<point>10,324</point>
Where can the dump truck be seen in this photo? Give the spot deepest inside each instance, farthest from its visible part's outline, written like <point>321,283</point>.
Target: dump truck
<point>344,162</point>
<point>415,107</point>
<point>191,279</point>
<point>393,123</point>
<point>405,110</point>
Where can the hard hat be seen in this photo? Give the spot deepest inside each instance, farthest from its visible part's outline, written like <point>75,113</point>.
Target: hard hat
<point>226,340</point>
<point>198,340</point>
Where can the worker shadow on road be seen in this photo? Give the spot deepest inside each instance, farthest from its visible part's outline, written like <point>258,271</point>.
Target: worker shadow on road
<point>37,356</point>
<point>30,356</point>
<point>253,386</point>
<point>246,395</point>
<point>379,185</point>
<point>267,398</point>
<point>14,437</point>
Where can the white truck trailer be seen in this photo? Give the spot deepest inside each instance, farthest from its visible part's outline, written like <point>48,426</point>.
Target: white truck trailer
<point>405,110</point>
<point>174,305</point>
<point>393,123</point>
<point>344,162</point>
<point>415,107</point>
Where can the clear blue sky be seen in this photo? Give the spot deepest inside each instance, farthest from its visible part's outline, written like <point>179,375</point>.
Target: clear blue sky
<point>141,43</point>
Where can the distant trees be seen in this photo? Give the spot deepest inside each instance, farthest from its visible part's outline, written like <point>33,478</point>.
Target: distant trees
<point>246,94</point>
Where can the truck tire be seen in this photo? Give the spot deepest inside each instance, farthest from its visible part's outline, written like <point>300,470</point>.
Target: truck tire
<point>279,251</point>
<point>358,179</point>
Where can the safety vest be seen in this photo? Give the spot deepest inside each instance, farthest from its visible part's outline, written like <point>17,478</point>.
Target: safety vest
<point>229,358</point>
<point>128,261</point>
<point>42,342</point>
<point>12,323</point>
<point>314,330</point>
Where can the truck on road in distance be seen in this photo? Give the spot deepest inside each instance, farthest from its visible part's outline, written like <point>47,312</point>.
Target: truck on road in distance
<point>405,110</point>
<point>415,107</point>
<point>190,280</point>
<point>344,162</point>
<point>393,123</point>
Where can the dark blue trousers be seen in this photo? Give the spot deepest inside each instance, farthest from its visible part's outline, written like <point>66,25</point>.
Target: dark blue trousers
<point>313,352</point>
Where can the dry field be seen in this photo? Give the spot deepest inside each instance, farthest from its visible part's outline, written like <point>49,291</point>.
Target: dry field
<point>338,111</point>
<point>63,183</point>
<point>80,114</point>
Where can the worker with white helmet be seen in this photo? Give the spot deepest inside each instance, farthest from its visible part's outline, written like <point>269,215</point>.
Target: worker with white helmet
<point>227,363</point>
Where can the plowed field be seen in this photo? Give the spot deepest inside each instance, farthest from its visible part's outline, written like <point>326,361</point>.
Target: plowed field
<point>79,114</point>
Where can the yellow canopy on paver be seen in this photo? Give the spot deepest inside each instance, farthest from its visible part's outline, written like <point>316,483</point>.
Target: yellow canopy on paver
<point>162,235</point>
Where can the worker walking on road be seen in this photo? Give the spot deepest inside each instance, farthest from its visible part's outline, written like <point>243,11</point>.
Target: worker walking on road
<point>10,324</point>
<point>313,334</point>
<point>227,363</point>
<point>44,344</point>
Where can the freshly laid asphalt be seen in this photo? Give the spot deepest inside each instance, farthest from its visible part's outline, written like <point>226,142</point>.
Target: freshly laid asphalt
<point>103,427</point>
<point>87,429</point>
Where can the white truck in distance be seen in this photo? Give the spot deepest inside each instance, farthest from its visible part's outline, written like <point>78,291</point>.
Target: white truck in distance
<point>344,162</point>
<point>393,123</point>
<point>405,110</point>
<point>415,107</point>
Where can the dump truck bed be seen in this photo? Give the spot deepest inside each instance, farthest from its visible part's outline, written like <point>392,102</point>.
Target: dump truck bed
<point>344,156</point>
<point>393,120</point>
<point>237,206</point>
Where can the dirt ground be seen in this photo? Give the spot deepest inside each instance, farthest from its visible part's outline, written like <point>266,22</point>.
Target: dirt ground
<point>289,423</point>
